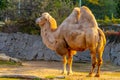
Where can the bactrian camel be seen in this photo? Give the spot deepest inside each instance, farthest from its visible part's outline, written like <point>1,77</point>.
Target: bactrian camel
<point>78,32</point>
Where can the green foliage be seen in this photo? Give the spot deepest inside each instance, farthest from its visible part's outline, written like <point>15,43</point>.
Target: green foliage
<point>21,25</point>
<point>25,21</point>
<point>9,63</point>
<point>3,4</point>
<point>94,1</point>
<point>118,8</point>
<point>59,9</point>
<point>107,21</point>
<point>100,8</point>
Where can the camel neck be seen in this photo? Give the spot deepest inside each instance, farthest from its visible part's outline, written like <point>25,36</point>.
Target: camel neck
<point>48,37</point>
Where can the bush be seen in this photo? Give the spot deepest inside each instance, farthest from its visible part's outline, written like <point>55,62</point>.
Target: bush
<point>21,25</point>
<point>108,21</point>
<point>25,22</point>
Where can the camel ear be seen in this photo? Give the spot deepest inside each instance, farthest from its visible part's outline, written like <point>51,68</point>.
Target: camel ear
<point>46,15</point>
<point>53,23</point>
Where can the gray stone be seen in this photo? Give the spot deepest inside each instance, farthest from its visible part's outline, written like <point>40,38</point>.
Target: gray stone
<point>56,57</point>
<point>48,54</point>
<point>76,59</point>
<point>40,55</point>
<point>3,57</point>
<point>2,45</point>
<point>3,37</point>
<point>84,56</point>
<point>31,47</point>
<point>106,54</point>
<point>116,58</point>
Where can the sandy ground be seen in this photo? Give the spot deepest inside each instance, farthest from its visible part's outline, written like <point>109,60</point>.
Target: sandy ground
<point>50,69</point>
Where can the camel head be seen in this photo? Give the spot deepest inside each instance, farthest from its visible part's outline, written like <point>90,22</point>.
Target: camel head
<point>45,19</point>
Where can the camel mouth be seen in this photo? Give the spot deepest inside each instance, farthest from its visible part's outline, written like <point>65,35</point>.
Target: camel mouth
<point>37,21</point>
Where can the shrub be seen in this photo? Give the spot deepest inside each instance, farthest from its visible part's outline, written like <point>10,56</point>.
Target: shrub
<point>25,22</point>
<point>107,21</point>
<point>21,25</point>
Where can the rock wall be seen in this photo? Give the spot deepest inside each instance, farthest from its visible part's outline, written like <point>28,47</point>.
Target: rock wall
<point>30,47</point>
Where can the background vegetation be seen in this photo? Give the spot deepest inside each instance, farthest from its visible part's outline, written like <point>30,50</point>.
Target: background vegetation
<point>20,15</point>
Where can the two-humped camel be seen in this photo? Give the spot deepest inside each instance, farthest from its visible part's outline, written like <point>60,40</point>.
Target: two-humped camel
<point>78,32</point>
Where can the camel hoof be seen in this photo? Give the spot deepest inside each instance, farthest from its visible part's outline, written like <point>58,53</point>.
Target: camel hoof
<point>70,73</point>
<point>64,73</point>
<point>97,75</point>
<point>90,75</point>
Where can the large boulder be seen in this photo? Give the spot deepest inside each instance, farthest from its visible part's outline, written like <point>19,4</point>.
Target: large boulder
<point>4,57</point>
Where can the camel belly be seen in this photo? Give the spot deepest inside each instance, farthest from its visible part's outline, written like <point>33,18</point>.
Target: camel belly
<point>76,40</point>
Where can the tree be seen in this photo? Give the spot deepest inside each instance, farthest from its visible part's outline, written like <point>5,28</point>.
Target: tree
<point>94,1</point>
<point>3,4</point>
<point>101,8</point>
<point>59,9</point>
<point>118,9</point>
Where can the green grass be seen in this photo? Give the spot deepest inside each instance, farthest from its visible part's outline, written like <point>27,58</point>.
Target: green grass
<point>9,63</point>
<point>50,77</point>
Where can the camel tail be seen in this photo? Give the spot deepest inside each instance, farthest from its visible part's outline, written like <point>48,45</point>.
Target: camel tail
<point>101,33</point>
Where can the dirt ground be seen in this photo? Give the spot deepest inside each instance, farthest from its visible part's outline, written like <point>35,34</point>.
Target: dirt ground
<point>52,69</point>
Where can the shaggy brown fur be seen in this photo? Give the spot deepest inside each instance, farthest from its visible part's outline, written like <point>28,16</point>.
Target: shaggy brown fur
<point>71,37</point>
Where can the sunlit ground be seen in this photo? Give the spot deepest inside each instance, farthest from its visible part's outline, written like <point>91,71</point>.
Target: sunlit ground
<point>52,69</point>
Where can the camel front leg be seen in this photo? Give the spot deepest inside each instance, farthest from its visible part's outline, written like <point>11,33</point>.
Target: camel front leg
<point>64,65</point>
<point>70,59</point>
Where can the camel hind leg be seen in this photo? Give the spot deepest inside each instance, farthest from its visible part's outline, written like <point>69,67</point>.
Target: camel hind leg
<point>94,62</point>
<point>100,61</point>
<point>100,50</point>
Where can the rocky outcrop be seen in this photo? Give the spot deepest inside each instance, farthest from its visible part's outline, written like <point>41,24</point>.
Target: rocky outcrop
<point>31,47</point>
<point>6,58</point>
<point>26,47</point>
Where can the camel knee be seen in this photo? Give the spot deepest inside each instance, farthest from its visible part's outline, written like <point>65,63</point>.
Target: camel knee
<point>70,59</point>
<point>64,60</point>
<point>94,63</point>
<point>100,61</point>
